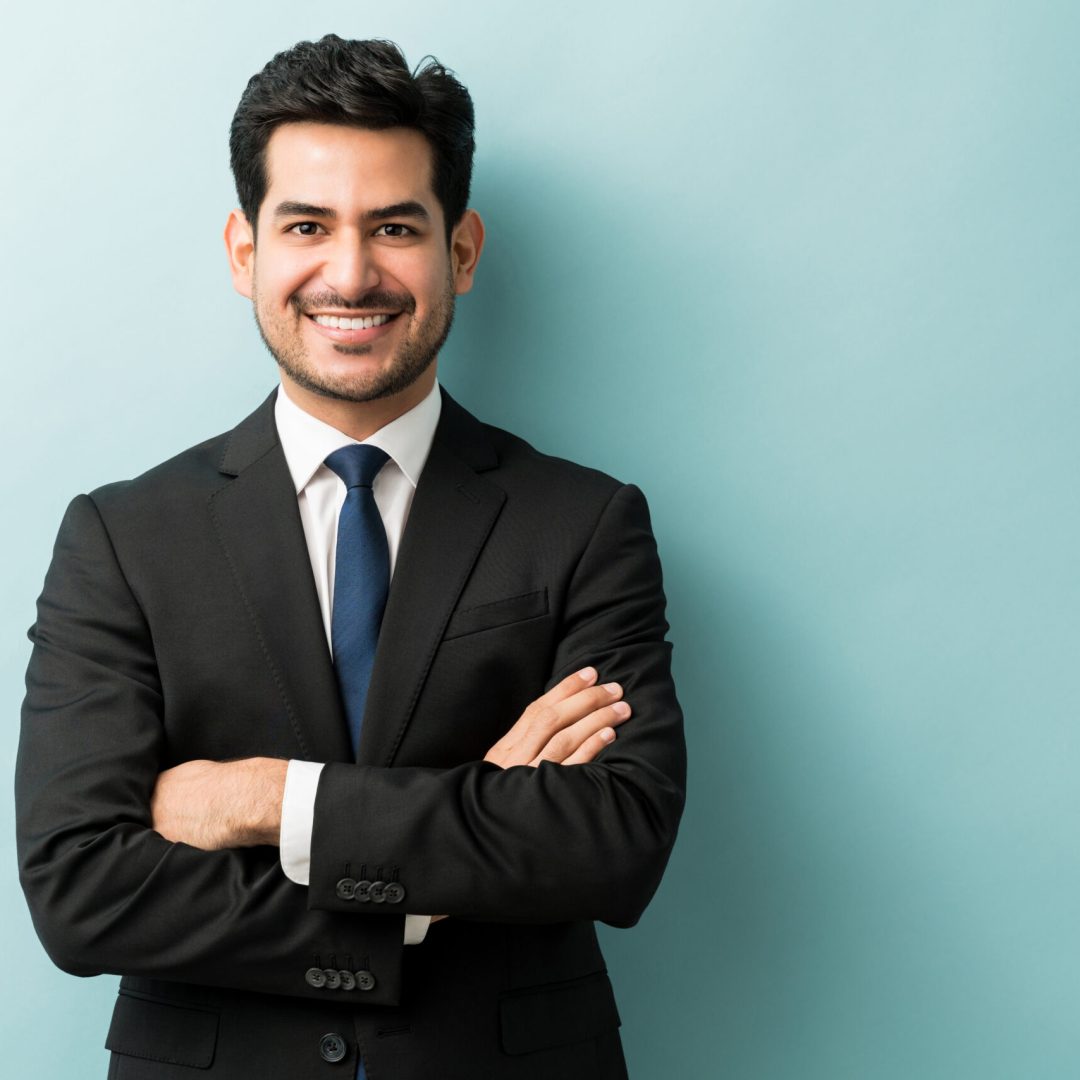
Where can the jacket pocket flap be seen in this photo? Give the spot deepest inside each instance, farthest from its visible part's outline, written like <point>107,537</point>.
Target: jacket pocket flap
<point>557,1015</point>
<point>497,613</point>
<point>159,1031</point>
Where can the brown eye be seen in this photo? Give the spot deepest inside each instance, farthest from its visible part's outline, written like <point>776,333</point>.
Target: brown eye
<point>393,230</point>
<point>305,228</point>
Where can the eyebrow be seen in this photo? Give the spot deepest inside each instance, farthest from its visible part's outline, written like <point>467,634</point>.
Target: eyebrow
<point>409,208</point>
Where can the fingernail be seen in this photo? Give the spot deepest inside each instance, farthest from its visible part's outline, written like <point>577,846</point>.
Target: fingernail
<point>587,674</point>
<point>621,709</point>
<point>612,687</point>
<point>607,734</point>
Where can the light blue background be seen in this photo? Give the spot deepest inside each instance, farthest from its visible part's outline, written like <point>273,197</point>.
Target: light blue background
<point>808,274</point>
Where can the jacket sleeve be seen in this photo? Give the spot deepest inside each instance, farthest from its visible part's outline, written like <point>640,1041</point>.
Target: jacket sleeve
<point>543,844</point>
<point>106,892</point>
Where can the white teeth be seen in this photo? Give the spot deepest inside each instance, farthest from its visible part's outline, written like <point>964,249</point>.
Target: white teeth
<point>365,323</point>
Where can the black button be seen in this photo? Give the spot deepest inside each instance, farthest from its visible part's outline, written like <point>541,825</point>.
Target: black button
<point>315,977</point>
<point>394,893</point>
<point>365,980</point>
<point>348,980</point>
<point>378,892</point>
<point>333,979</point>
<point>345,888</point>
<point>332,1047</point>
<point>363,892</point>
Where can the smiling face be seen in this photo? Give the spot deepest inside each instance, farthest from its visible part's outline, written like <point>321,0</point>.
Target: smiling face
<point>349,272</point>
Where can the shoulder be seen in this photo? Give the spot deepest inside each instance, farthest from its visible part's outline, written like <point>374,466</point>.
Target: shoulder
<point>194,473</point>
<point>553,495</point>
<point>522,463</point>
<point>520,468</point>
<point>191,473</point>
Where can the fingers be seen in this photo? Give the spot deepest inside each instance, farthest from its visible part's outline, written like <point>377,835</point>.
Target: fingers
<point>570,701</point>
<point>591,747</point>
<point>569,686</point>
<point>583,740</point>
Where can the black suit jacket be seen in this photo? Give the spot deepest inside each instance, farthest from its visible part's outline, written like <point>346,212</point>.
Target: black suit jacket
<point>179,620</point>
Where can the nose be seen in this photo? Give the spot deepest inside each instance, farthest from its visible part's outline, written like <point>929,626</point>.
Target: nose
<point>350,268</point>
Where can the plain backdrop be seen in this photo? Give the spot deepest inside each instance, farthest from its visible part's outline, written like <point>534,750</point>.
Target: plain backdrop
<point>806,273</point>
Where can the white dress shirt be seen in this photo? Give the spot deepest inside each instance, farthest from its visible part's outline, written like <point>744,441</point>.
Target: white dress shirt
<point>320,493</point>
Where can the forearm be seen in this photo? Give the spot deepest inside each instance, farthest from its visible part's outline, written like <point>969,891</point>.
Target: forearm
<point>126,902</point>
<point>518,845</point>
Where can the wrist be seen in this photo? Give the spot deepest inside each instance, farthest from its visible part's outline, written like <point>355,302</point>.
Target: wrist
<point>265,784</point>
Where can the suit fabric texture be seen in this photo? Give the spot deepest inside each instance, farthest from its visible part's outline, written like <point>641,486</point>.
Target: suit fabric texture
<point>179,621</point>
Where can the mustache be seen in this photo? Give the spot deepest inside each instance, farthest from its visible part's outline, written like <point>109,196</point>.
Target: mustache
<point>376,300</point>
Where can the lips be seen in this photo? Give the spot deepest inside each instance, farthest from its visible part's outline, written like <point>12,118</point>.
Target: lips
<point>353,329</point>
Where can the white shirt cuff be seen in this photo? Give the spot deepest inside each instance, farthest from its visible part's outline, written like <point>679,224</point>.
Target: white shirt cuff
<point>297,821</point>
<point>416,928</point>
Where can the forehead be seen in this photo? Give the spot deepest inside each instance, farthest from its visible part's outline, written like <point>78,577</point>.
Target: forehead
<point>349,169</point>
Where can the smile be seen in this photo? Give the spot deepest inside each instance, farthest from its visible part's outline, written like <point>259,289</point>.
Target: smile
<point>339,323</point>
<point>345,330</point>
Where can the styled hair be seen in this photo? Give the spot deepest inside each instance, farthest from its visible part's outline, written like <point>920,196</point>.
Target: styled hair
<point>364,84</point>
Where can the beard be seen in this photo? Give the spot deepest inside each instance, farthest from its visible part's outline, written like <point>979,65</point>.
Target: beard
<point>422,341</point>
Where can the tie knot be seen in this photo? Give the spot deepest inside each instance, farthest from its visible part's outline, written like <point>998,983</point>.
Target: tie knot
<point>358,464</point>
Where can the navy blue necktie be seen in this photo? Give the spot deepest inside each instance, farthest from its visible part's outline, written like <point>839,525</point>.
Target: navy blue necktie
<point>361,578</point>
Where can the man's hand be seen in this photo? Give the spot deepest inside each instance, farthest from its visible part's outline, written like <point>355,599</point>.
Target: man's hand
<point>569,725</point>
<point>220,804</point>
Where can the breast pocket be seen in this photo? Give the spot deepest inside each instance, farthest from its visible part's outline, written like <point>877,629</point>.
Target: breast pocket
<point>489,616</point>
<point>179,1038</point>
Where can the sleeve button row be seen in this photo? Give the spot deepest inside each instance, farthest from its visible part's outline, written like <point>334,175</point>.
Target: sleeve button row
<point>374,892</point>
<point>333,979</point>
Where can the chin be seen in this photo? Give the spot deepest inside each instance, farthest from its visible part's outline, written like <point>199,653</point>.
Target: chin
<point>372,386</point>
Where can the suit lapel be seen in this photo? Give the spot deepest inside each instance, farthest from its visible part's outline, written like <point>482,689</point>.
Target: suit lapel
<point>258,522</point>
<point>452,513</point>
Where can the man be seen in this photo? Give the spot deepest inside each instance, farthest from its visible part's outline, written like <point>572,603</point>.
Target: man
<point>250,770</point>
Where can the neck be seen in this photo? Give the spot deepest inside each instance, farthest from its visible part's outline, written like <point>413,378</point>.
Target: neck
<point>359,419</point>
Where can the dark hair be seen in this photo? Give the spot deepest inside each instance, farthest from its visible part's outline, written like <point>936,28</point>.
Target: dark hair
<point>364,84</point>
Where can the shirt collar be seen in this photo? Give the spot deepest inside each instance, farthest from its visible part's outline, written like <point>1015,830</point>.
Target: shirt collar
<point>307,442</point>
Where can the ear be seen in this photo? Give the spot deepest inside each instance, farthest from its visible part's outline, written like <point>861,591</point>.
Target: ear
<point>240,247</point>
<point>466,243</point>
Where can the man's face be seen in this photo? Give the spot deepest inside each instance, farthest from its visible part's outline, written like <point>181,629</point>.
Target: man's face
<point>351,230</point>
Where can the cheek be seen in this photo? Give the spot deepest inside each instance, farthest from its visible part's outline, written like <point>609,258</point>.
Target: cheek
<point>278,280</point>
<point>428,284</point>
<point>419,266</point>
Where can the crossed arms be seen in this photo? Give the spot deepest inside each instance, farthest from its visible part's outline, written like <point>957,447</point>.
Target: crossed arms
<point>213,805</point>
<point>586,839</point>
